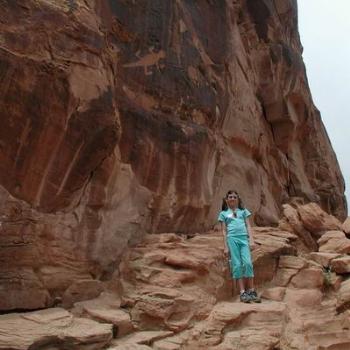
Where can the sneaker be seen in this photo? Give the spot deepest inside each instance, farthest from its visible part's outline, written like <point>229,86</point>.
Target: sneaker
<point>244,297</point>
<point>254,296</point>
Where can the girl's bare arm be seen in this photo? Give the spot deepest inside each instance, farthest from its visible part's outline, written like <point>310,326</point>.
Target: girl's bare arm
<point>223,230</point>
<point>250,232</point>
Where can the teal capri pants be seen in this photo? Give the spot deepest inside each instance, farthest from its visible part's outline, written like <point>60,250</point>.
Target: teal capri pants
<point>241,261</point>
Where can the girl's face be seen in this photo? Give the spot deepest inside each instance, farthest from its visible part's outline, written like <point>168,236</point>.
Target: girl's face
<point>232,198</point>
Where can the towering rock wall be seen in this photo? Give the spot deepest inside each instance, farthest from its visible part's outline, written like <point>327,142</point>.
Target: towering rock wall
<point>126,117</point>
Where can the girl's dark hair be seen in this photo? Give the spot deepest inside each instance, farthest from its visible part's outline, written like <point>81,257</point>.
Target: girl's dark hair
<point>224,204</point>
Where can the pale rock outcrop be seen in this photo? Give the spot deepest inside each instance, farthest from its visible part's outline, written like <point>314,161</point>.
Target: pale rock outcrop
<point>106,308</point>
<point>341,265</point>
<point>157,307</point>
<point>292,262</point>
<point>334,242</point>
<point>324,259</point>
<point>291,221</point>
<point>130,347</point>
<point>274,293</point>
<point>303,298</point>
<point>139,338</point>
<point>52,327</point>
<point>176,281</point>
<point>316,327</point>
<point>308,278</point>
<point>267,317</point>
<point>316,220</point>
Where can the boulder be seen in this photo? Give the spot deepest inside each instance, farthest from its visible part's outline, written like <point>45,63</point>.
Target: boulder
<point>323,259</point>
<point>334,242</point>
<point>341,265</point>
<point>317,220</point>
<point>291,262</point>
<point>291,221</point>
<point>106,309</point>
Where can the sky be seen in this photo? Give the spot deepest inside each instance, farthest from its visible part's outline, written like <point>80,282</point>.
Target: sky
<point>324,29</point>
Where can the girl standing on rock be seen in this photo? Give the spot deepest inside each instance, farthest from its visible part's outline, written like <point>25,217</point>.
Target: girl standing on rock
<point>238,239</point>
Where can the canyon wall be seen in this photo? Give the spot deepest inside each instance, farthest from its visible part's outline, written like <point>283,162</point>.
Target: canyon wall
<point>121,118</point>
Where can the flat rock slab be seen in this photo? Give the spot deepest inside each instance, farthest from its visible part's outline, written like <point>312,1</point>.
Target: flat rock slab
<point>323,259</point>
<point>275,293</point>
<point>119,318</point>
<point>130,347</point>
<point>249,339</point>
<point>334,242</point>
<point>292,262</point>
<point>144,337</point>
<point>303,298</point>
<point>106,309</point>
<point>56,326</point>
<point>317,220</point>
<point>234,312</point>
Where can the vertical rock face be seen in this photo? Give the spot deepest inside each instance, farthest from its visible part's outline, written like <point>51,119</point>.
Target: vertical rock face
<point>124,117</point>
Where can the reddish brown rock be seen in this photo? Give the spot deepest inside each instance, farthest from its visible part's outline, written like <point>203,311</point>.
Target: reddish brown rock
<point>316,220</point>
<point>324,259</point>
<point>249,339</point>
<point>346,226</point>
<point>284,276</point>
<point>241,319</point>
<point>308,278</point>
<point>291,262</point>
<point>121,118</point>
<point>291,221</point>
<point>106,309</point>
<point>82,290</point>
<point>318,327</point>
<point>153,292</point>
<point>333,281</point>
<point>341,265</point>
<point>344,296</point>
<point>21,289</point>
<point>52,326</point>
<point>303,298</point>
<point>145,337</point>
<point>275,293</point>
<point>334,242</point>
<point>130,347</point>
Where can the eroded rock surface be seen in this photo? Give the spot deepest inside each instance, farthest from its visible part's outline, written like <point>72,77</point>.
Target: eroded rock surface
<point>126,117</point>
<point>52,328</point>
<point>174,292</point>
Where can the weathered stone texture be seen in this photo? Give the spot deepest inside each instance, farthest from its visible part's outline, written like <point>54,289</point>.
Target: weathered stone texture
<point>125,117</point>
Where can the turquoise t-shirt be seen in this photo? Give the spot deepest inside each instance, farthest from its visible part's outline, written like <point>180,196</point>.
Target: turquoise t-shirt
<point>235,225</point>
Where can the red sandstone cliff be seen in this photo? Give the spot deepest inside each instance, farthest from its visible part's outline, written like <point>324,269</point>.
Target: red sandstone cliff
<point>126,117</point>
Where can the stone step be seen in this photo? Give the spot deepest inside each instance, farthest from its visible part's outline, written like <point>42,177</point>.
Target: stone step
<point>20,331</point>
<point>226,317</point>
<point>141,338</point>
